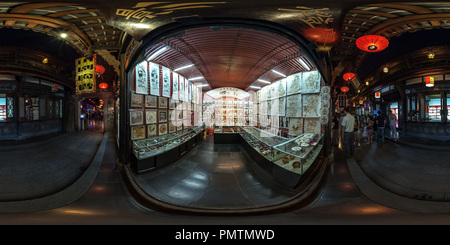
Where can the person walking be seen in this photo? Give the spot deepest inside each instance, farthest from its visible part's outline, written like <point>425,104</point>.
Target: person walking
<point>392,125</point>
<point>348,127</point>
<point>336,129</point>
<point>369,129</point>
<point>381,123</point>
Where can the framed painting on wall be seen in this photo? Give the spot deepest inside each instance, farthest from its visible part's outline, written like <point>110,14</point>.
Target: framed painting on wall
<point>151,101</point>
<point>136,117</point>
<point>138,132</point>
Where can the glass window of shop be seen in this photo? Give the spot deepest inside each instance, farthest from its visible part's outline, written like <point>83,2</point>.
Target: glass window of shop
<point>432,108</point>
<point>2,107</point>
<point>412,106</point>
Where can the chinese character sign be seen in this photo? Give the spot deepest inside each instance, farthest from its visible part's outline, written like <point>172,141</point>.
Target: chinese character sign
<point>85,77</point>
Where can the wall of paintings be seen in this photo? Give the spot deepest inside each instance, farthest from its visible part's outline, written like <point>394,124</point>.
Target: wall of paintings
<point>161,102</point>
<point>292,106</point>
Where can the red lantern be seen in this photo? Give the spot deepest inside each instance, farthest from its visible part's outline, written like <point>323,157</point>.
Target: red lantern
<point>99,70</point>
<point>349,76</point>
<point>429,81</point>
<point>103,85</point>
<point>372,43</point>
<point>344,89</point>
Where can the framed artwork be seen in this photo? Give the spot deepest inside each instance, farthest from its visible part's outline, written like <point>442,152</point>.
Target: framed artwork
<point>172,103</point>
<point>141,78</point>
<point>295,126</point>
<point>311,105</point>
<point>138,132</point>
<point>294,105</point>
<point>151,116</point>
<point>165,82</point>
<point>136,117</point>
<point>312,125</point>
<point>281,88</point>
<point>151,130</point>
<point>162,116</point>
<point>172,127</point>
<point>293,83</point>
<point>151,101</point>
<point>162,102</point>
<point>162,129</point>
<point>154,79</point>
<point>311,82</point>
<point>137,100</point>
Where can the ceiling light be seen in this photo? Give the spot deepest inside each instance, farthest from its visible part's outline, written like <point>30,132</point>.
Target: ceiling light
<point>281,74</point>
<point>385,70</point>
<point>156,53</point>
<point>431,55</point>
<point>256,87</point>
<point>195,78</point>
<point>202,85</point>
<point>303,63</point>
<point>63,35</point>
<point>184,67</point>
<point>264,81</point>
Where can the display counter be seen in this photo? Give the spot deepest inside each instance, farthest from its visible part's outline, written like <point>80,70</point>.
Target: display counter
<point>227,135</point>
<point>293,158</point>
<point>160,151</point>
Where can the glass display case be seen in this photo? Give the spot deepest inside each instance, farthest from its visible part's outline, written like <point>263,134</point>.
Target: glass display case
<point>226,129</point>
<point>261,140</point>
<point>298,154</point>
<point>154,146</point>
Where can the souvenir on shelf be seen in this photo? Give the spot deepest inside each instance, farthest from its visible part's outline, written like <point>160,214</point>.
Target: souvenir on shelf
<point>154,79</point>
<point>298,154</point>
<point>141,78</point>
<point>158,144</point>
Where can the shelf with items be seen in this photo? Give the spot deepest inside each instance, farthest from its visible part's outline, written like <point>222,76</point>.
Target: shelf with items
<point>146,148</point>
<point>298,154</point>
<point>226,129</point>
<point>262,141</point>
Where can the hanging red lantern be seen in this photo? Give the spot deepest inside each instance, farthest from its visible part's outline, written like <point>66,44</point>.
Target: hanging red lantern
<point>349,76</point>
<point>372,43</point>
<point>429,81</point>
<point>344,89</point>
<point>99,70</point>
<point>103,85</point>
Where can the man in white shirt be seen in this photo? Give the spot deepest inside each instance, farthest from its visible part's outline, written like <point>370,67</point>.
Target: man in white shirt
<point>348,127</point>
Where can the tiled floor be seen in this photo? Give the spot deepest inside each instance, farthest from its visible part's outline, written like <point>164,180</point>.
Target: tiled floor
<point>215,176</point>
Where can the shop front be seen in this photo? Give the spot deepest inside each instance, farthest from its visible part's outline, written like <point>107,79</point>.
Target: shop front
<point>30,106</point>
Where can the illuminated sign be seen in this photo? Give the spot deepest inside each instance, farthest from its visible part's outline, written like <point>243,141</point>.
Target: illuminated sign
<point>85,77</point>
<point>377,95</point>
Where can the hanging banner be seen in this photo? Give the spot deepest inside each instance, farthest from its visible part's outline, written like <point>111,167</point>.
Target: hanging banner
<point>85,77</point>
<point>342,100</point>
<point>141,78</point>
<point>175,86</point>
<point>181,88</point>
<point>165,82</point>
<point>154,79</point>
